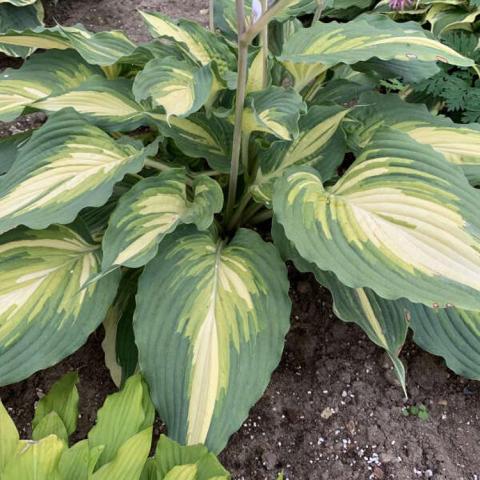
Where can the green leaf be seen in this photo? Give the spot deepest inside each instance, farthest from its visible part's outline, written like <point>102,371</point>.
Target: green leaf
<point>61,399</point>
<point>318,129</point>
<point>384,321</point>
<point>107,103</point>
<point>182,472</point>
<point>451,333</point>
<point>78,462</point>
<point>129,460</point>
<point>14,18</point>
<point>200,137</point>
<point>203,46</point>
<point>121,354</point>
<point>8,439</point>
<point>459,144</point>
<point>68,164</point>
<point>220,328</point>
<point>39,77</point>
<point>365,37</point>
<point>35,460</point>
<point>123,415</point>
<point>153,208</point>
<point>180,87</point>
<point>45,314</point>
<point>170,454</point>
<point>50,424</point>
<point>8,149</point>
<point>383,225</point>
<point>275,110</point>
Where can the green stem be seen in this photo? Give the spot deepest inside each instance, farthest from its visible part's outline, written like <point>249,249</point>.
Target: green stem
<point>239,105</point>
<point>245,152</point>
<point>261,217</point>
<point>318,11</point>
<point>162,167</point>
<point>211,15</point>
<point>264,20</point>
<point>251,211</point>
<point>264,44</point>
<point>237,216</point>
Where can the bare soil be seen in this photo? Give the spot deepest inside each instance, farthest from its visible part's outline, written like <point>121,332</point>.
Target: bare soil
<point>333,409</point>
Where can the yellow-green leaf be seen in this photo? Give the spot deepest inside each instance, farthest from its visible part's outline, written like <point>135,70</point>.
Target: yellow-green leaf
<point>35,460</point>
<point>122,416</point>
<point>62,399</point>
<point>9,437</point>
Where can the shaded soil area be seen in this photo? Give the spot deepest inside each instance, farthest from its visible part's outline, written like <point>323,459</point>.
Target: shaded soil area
<point>333,409</point>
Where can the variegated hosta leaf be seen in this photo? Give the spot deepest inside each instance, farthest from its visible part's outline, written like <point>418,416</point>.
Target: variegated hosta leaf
<point>274,110</point>
<point>401,221</point>
<point>39,77</point>
<point>459,144</point>
<point>13,17</point>
<point>200,137</point>
<point>25,39</point>
<point>203,46</point>
<point>45,315</point>
<point>170,454</point>
<point>67,165</point>
<point>35,460</point>
<point>107,103</point>
<point>18,3</point>
<point>103,48</point>
<point>220,328</point>
<point>153,208</point>
<point>317,129</point>
<point>365,37</point>
<point>8,149</point>
<point>451,333</point>
<point>384,321</point>
<point>179,86</point>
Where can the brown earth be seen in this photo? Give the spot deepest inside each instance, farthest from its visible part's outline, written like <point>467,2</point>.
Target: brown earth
<point>329,369</point>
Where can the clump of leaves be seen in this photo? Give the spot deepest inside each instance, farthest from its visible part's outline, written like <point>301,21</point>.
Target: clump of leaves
<point>117,447</point>
<point>138,200</point>
<point>420,411</point>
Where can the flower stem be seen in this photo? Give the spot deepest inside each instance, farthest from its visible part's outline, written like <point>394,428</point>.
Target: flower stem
<point>239,106</point>
<point>264,44</point>
<point>211,15</point>
<point>265,19</point>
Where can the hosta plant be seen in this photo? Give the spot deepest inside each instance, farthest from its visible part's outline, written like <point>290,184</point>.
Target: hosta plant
<point>138,200</point>
<point>117,447</point>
